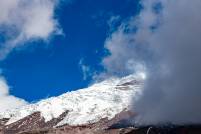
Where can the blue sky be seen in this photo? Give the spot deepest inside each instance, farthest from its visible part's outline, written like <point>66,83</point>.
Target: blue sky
<point>43,69</point>
<point>49,47</point>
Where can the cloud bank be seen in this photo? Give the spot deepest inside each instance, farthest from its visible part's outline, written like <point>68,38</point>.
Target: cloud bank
<point>22,21</point>
<point>8,101</point>
<point>166,37</point>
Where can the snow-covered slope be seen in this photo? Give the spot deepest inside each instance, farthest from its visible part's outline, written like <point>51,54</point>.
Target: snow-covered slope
<point>87,105</point>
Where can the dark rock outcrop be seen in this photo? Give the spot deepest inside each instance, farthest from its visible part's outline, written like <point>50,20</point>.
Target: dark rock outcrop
<point>31,123</point>
<point>35,124</point>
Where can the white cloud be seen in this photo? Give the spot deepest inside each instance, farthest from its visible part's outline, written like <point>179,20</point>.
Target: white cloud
<point>7,101</point>
<point>128,44</point>
<point>165,36</point>
<point>22,21</point>
<point>86,71</point>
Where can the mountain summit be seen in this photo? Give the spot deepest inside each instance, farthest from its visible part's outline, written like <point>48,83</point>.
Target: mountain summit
<point>101,102</point>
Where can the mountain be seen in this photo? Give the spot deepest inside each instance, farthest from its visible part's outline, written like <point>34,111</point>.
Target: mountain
<point>102,108</point>
<point>89,110</point>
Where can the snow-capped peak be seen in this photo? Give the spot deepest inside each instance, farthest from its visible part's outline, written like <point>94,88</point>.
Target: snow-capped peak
<point>88,105</point>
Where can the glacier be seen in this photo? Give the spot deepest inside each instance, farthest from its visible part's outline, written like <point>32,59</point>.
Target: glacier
<point>84,106</point>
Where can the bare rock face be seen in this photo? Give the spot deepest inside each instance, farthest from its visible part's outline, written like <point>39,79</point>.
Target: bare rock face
<point>32,122</point>
<point>35,124</point>
<point>2,124</point>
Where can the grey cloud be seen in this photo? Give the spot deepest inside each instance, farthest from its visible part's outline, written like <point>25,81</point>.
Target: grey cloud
<point>168,43</point>
<point>173,91</point>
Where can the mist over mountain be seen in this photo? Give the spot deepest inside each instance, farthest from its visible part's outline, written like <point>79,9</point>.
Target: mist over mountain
<point>163,41</point>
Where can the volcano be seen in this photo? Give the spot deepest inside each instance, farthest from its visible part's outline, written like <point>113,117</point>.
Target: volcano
<point>102,108</point>
<point>89,110</point>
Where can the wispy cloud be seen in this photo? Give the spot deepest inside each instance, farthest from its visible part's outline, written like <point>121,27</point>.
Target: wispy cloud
<point>86,71</point>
